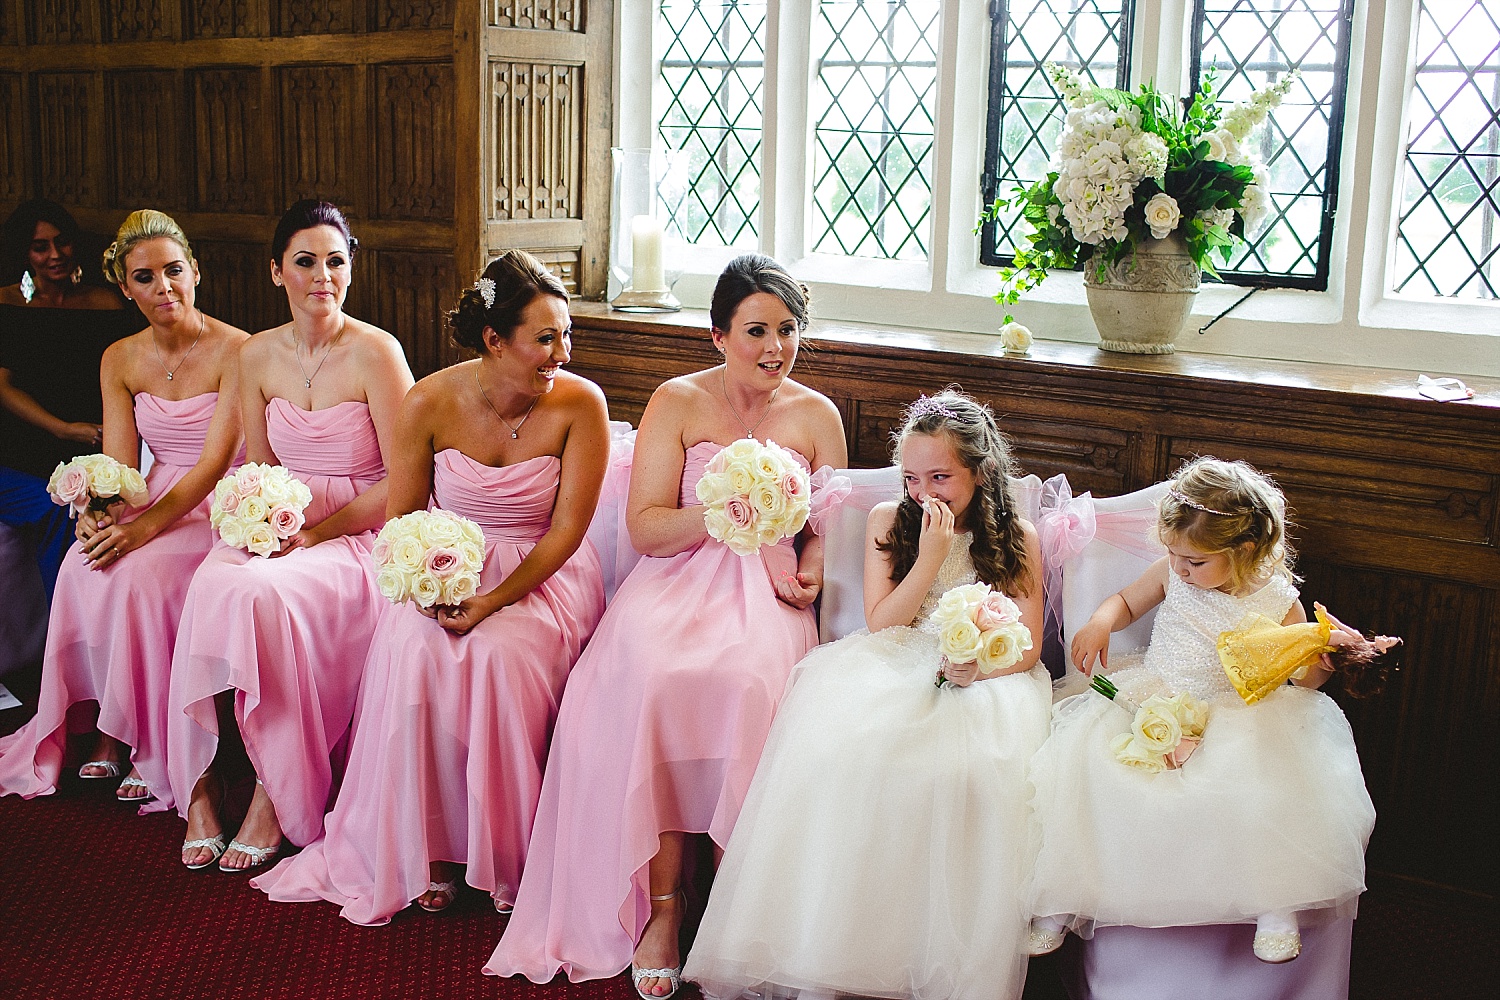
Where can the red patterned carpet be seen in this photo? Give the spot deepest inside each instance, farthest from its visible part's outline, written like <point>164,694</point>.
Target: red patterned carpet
<point>93,904</point>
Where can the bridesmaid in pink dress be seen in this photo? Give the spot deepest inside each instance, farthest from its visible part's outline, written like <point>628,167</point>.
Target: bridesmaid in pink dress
<point>121,589</point>
<point>458,702</point>
<point>274,647</point>
<point>666,712</point>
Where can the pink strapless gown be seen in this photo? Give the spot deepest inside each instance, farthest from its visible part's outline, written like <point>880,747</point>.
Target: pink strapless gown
<point>289,634</point>
<point>661,729</point>
<point>111,631</point>
<point>446,759</point>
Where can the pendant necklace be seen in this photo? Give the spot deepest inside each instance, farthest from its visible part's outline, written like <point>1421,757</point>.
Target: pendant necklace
<point>515,429</point>
<point>750,430</point>
<point>297,344</point>
<point>202,325</point>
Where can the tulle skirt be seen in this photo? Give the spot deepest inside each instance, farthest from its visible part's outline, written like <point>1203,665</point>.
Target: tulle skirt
<point>885,847</point>
<point>1270,813</point>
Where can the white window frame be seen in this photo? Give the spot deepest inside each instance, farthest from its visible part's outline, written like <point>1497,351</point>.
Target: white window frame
<point>1356,321</point>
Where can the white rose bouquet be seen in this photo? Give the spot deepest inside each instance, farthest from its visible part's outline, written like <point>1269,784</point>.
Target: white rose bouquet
<point>1164,730</point>
<point>257,507</point>
<point>756,494</point>
<point>1128,166</point>
<point>94,482</point>
<point>429,556</point>
<point>979,624</point>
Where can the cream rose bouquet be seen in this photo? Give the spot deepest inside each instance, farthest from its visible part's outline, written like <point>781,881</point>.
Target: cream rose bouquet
<point>94,482</point>
<point>429,556</point>
<point>756,494</point>
<point>1164,729</point>
<point>1128,166</point>
<point>976,623</point>
<point>258,506</point>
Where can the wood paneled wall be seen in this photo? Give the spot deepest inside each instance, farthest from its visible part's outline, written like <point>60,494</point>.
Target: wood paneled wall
<point>448,130</point>
<point>1396,503</point>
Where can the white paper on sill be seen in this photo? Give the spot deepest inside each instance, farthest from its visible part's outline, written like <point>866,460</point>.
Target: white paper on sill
<point>8,700</point>
<point>1444,390</point>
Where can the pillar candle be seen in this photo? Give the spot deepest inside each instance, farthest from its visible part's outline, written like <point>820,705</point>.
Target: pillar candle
<point>646,271</point>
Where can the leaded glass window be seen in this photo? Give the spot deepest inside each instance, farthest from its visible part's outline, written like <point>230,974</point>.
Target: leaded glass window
<point>1446,235</point>
<point>873,93</point>
<point>1025,111</point>
<point>1250,44</point>
<point>712,72</point>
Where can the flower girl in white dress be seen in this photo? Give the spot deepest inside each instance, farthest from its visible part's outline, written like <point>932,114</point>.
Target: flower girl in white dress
<point>1269,817</point>
<point>884,848</point>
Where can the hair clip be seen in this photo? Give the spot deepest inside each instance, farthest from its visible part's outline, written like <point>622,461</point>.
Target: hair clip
<point>927,405</point>
<point>1182,498</point>
<point>486,289</point>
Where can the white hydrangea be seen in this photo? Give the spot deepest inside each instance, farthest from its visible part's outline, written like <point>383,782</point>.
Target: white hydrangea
<point>1096,176</point>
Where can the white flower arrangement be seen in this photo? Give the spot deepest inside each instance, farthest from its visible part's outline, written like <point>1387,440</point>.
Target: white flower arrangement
<point>429,556</point>
<point>94,482</point>
<point>977,623</point>
<point>756,494</point>
<point>259,506</point>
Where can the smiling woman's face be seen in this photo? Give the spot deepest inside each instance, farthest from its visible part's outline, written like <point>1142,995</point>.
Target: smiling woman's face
<point>49,256</point>
<point>760,345</point>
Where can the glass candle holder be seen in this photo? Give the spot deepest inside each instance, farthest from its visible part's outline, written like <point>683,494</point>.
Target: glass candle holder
<point>645,253</point>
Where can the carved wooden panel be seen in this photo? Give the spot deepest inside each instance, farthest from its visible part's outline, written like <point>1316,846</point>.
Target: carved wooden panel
<point>10,29</point>
<point>413,291</point>
<point>61,21</point>
<point>395,15</point>
<point>12,139</point>
<point>414,141</point>
<point>66,117</point>
<point>237,285</point>
<point>229,141</point>
<point>320,151</point>
<point>145,124</point>
<point>316,17</point>
<point>549,15</point>
<point>563,263</point>
<point>536,132</point>
<point>139,20</point>
<point>225,18</point>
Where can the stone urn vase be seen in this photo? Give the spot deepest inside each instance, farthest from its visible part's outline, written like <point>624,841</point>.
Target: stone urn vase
<point>1140,302</point>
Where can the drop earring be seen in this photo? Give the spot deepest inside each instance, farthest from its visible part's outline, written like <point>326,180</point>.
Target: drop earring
<point>77,274</point>
<point>28,287</point>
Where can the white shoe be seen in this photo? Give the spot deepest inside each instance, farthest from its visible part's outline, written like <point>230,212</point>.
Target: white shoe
<point>214,844</point>
<point>1276,947</point>
<point>675,975</point>
<point>1043,939</point>
<point>445,894</point>
<point>112,769</point>
<point>257,855</point>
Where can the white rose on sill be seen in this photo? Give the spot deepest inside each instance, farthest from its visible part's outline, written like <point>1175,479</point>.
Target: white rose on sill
<point>1162,215</point>
<point>1015,338</point>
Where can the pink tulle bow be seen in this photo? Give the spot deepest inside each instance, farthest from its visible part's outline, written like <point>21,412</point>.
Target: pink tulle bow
<point>829,491</point>
<point>1065,526</point>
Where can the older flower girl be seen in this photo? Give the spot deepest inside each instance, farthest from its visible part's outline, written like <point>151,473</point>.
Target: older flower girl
<point>884,846</point>
<point>1269,818</point>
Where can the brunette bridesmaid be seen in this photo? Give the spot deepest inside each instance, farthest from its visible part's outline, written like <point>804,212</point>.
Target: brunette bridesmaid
<point>274,647</point>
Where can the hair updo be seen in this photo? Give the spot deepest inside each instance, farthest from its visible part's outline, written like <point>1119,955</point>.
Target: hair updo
<point>518,279</point>
<point>309,213</point>
<point>138,227</point>
<point>20,230</point>
<point>751,273</point>
<point>1218,506</point>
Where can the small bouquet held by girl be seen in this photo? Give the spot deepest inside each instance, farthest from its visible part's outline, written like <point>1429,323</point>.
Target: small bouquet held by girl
<point>1164,729</point>
<point>978,625</point>
<point>95,482</point>
<point>258,507</point>
<point>432,557</point>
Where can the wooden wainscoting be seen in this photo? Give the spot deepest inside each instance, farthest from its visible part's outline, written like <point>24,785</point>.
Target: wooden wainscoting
<point>1396,501</point>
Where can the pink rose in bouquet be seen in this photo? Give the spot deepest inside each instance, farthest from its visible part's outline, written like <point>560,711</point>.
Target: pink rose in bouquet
<point>286,521</point>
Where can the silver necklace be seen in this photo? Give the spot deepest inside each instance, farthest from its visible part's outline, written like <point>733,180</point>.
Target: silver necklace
<point>750,430</point>
<point>515,429</point>
<point>202,325</point>
<point>296,352</point>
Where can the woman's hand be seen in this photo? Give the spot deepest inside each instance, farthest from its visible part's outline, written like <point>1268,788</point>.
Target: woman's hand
<point>304,539</point>
<point>82,432</point>
<point>799,591</point>
<point>936,539</point>
<point>110,544</point>
<point>961,674</point>
<point>1091,647</point>
<point>459,619</point>
<point>90,522</point>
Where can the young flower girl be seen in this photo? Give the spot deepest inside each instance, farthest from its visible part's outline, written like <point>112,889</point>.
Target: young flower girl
<point>1269,818</point>
<point>884,847</point>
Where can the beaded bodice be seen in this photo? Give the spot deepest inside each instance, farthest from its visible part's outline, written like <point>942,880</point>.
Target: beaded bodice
<point>957,570</point>
<point>1184,639</point>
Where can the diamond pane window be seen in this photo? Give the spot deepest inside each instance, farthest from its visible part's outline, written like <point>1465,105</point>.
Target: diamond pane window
<point>712,72</point>
<point>872,100</point>
<point>1025,111</point>
<point>1250,45</point>
<point>1446,237</point>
